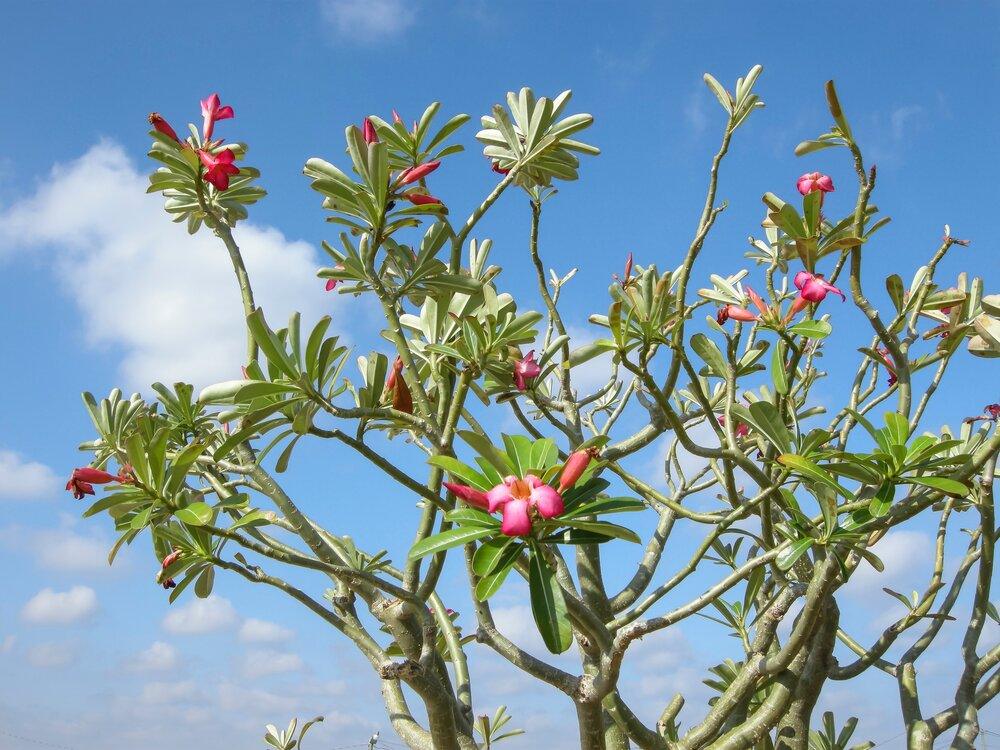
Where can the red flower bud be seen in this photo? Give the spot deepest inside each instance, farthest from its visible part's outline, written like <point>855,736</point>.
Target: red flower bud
<point>396,391</point>
<point>368,132</point>
<point>574,467</point>
<point>469,495</point>
<point>413,174</point>
<point>82,481</point>
<point>162,126</point>
<point>422,199</point>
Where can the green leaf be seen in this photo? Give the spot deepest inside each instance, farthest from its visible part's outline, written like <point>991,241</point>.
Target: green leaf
<point>882,501</point>
<point>196,514</point>
<point>270,344</point>
<point>778,374</point>
<point>709,352</point>
<point>604,528</point>
<point>948,486</point>
<point>448,539</point>
<point>548,605</point>
<point>788,556</point>
<point>807,469</point>
<point>812,329</point>
<point>764,418</point>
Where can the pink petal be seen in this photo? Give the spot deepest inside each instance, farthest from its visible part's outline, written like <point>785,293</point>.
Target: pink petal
<point>825,183</point>
<point>547,501</point>
<point>331,284</point>
<point>516,521</point>
<point>209,105</point>
<point>224,113</point>
<point>499,496</point>
<point>801,278</point>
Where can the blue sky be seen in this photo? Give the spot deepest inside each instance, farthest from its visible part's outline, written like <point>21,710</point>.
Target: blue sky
<point>94,292</point>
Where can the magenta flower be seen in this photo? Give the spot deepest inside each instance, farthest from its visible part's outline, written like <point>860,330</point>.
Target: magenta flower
<point>812,288</point>
<point>813,181</point>
<point>82,481</point>
<point>890,366</point>
<point>212,111</point>
<point>574,467</point>
<point>526,370</point>
<point>469,495</point>
<point>158,123</point>
<point>742,428</point>
<point>331,284</point>
<point>413,174</point>
<point>517,499</point>
<point>218,167</point>
<point>736,313</point>
<point>368,132</point>
<point>991,413</point>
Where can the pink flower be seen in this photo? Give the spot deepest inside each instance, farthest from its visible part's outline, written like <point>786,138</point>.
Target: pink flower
<point>422,199</point>
<point>742,428</point>
<point>813,181</point>
<point>889,364</point>
<point>758,302</point>
<point>331,284</point>
<point>736,313</point>
<point>991,413</point>
<point>469,495</point>
<point>574,467</point>
<point>368,132</point>
<point>812,288</point>
<point>525,370</point>
<point>81,481</point>
<point>212,111</point>
<point>162,126</point>
<point>518,498</point>
<point>413,174</point>
<point>219,167</point>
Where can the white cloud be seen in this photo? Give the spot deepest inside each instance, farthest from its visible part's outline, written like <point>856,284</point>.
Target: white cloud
<point>201,616</point>
<point>159,657</point>
<point>161,693</point>
<point>51,655</point>
<point>262,662</point>
<point>7,644</point>
<point>262,631</point>
<point>62,549</point>
<point>21,479</point>
<point>169,301</point>
<point>368,21</point>
<point>898,551</point>
<point>60,607</point>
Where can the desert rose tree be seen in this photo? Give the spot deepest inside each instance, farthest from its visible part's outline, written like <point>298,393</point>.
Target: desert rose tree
<point>804,490</point>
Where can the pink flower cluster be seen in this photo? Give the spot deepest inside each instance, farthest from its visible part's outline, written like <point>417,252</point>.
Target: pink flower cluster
<point>219,167</point>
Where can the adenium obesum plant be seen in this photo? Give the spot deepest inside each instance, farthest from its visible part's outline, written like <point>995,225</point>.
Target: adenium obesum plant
<point>803,489</point>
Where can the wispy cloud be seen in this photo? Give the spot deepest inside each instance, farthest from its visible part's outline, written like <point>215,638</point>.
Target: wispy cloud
<point>368,21</point>
<point>24,479</point>
<point>201,616</point>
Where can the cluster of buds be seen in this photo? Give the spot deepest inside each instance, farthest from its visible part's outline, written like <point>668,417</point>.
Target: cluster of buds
<point>521,500</point>
<point>218,165</point>
<point>82,480</point>
<point>813,289</point>
<point>417,196</point>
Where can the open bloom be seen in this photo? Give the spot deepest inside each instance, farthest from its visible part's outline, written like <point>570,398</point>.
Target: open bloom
<point>812,288</point>
<point>397,392</point>
<point>218,167</point>
<point>413,174</point>
<point>517,499</point>
<point>158,123</point>
<point>368,132</point>
<point>212,110</point>
<point>81,481</point>
<point>736,313</point>
<point>469,495</point>
<point>574,467</point>
<point>526,370</point>
<point>813,181</point>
